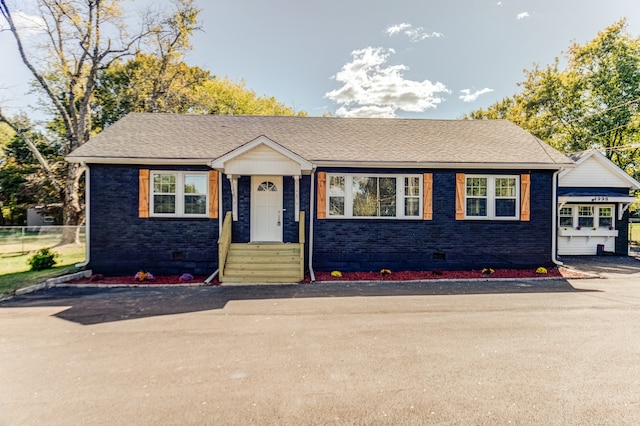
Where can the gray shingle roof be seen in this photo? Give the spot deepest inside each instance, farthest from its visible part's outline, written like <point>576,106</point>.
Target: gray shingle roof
<point>201,138</point>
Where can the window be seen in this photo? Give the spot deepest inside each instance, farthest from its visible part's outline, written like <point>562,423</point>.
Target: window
<point>491,197</point>
<point>336,195</point>
<point>364,196</point>
<point>267,187</point>
<point>411,196</point>
<point>566,216</point>
<point>586,216</point>
<point>605,217</point>
<point>178,194</point>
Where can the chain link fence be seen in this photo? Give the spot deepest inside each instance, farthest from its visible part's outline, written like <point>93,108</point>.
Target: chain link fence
<point>19,240</point>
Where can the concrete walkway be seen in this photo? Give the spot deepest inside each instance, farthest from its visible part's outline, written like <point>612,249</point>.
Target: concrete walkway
<point>558,353</point>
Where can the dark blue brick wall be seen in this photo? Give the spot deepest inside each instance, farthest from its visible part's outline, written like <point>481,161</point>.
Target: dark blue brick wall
<point>442,243</point>
<point>122,243</point>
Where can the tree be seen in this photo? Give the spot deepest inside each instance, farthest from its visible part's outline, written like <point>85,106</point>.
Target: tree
<point>147,83</point>
<point>21,179</point>
<point>81,38</point>
<point>594,102</point>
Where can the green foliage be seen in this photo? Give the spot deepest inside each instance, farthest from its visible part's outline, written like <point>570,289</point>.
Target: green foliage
<point>43,259</point>
<point>22,181</point>
<point>147,83</point>
<point>594,102</point>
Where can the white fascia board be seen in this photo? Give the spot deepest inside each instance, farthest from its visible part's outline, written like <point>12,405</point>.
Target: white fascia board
<point>145,161</point>
<point>414,165</point>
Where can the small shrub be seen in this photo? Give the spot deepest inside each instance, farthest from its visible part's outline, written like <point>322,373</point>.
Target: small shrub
<point>43,259</point>
<point>541,270</point>
<point>186,277</point>
<point>385,272</point>
<point>488,271</point>
<point>336,274</point>
<point>144,276</point>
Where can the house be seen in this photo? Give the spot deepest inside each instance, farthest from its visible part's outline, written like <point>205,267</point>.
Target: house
<point>267,198</point>
<point>593,202</point>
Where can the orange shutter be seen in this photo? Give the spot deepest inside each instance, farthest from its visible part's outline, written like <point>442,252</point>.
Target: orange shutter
<point>460,190</point>
<point>427,196</point>
<point>525,196</point>
<point>213,194</point>
<point>322,195</point>
<point>143,196</point>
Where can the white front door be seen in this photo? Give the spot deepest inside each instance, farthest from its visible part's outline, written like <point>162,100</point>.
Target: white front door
<point>266,208</point>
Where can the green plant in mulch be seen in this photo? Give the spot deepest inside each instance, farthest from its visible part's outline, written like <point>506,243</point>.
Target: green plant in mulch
<point>43,259</point>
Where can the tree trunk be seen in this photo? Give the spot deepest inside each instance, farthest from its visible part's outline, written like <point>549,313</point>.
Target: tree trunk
<point>72,211</point>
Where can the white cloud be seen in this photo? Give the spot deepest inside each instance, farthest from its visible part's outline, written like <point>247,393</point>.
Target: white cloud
<point>467,96</point>
<point>26,24</point>
<point>368,111</point>
<point>414,34</point>
<point>395,29</point>
<point>522,15</point>
<point>371,88</point>
<point>499,3</point>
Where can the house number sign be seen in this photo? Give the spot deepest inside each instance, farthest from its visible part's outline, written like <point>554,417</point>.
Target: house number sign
<point>600,199</point>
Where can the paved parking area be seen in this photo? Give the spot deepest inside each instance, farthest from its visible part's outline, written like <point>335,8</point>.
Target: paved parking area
<point>523,352</point>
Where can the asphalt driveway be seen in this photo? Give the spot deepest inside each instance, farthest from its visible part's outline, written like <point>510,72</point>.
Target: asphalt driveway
<point>519,352</point>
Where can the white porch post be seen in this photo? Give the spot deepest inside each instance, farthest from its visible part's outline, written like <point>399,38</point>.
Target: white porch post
<point>233,179</point>
<point>296,196</point>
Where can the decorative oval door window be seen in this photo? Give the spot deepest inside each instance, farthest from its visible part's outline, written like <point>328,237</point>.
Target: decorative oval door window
<point>267,186</point>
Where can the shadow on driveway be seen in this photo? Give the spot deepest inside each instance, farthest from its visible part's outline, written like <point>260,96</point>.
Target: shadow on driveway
<point>602,265</point>
<point>100,305</point>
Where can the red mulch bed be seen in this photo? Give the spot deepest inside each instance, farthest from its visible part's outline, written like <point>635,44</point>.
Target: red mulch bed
<point>439,275</point>
<point>162,279</point>
<point>356,276</point>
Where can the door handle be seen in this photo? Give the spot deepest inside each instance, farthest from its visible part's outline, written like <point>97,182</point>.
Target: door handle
<point>279,212</point>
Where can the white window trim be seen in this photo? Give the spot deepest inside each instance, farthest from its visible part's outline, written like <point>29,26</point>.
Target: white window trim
<point>400,196</point>
<point>179,193</point>
<point>491,197</point>
<point>575,212</point>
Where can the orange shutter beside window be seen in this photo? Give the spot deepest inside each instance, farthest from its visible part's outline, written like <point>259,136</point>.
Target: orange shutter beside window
<point>525,196</point>
<point>427,196</point>
<point>322,195</point>
<point>460,190</point>
<point>213,194</point>
<point>143,196</point>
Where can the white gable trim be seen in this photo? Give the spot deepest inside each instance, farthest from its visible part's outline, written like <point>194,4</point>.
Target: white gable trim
<point>607,165</point>
<point>286,163</point>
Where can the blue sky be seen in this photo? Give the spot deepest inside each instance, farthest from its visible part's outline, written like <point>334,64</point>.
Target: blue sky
<point>402,58</point>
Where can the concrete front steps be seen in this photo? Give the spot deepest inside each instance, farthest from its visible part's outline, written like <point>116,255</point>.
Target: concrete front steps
<point>263,263</point>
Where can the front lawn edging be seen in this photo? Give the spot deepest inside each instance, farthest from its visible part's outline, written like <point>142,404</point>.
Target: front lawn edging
<point>53,282</point>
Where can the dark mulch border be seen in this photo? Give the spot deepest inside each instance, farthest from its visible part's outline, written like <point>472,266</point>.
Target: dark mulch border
<point>324,276</point>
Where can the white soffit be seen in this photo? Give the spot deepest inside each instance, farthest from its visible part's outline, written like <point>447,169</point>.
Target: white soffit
<point>262,156</point>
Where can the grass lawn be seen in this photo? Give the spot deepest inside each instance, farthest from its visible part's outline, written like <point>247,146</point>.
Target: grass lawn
<point>15,273</point>
<point>635,232</point>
